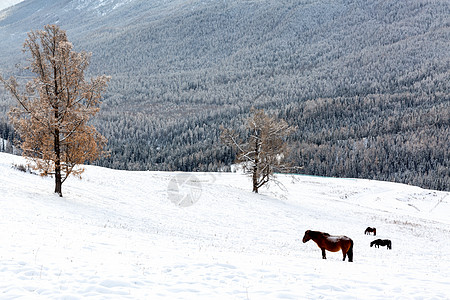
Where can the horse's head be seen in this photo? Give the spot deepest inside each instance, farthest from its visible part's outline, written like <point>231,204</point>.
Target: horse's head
<point>306,237</point>
<point>371,244</point>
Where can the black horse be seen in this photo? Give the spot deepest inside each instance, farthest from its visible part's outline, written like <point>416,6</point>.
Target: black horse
<point>380,242</point>
<point>371,229</point>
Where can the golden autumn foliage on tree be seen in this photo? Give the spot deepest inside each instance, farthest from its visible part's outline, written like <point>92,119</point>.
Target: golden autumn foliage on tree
<point>54,108</point>
<point>264,150</point>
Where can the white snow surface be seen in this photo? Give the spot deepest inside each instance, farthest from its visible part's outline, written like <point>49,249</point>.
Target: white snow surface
<point>7,3</point>
<point>119,235</point>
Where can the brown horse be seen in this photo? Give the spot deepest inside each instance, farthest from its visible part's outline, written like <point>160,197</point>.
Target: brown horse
<point>331,243</point>
<point>370,229</point>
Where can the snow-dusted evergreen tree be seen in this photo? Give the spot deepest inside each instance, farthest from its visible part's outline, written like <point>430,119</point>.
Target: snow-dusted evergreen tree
<point>264,149</point>
<point>53,111</point>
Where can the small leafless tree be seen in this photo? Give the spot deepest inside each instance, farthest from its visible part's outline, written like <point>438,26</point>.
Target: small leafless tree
<point>54,108</point>
<point>264,150</point>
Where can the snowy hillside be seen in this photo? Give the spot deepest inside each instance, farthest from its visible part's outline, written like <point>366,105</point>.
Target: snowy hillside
<point>7,3</point>
<point>119,235</point>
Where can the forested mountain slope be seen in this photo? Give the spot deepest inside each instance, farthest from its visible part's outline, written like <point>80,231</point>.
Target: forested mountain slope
<point>366,82</point>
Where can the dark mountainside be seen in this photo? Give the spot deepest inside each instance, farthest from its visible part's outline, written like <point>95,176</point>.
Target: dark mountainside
<point>366,82</point>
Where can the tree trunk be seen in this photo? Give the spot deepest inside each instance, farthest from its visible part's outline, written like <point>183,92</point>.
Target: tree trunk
<point>255,180</point>
<point>58,179</point>
<point>255,168</point>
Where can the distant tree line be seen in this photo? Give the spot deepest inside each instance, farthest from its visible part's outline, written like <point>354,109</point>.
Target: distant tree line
<point>8,136</point>
<point>376,137</point>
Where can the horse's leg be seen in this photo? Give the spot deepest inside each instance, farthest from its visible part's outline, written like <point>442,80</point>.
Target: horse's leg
<point>344,253</point>
<point>350,253</point>
<point>323,253</point>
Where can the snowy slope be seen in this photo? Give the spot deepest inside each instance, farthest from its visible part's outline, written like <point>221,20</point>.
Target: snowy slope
<point>119,235</point>
<point>7,3</point>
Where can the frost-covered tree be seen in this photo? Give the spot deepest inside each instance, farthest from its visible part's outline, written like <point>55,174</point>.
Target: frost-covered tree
<point>53,111</point>
<point>263,151</point>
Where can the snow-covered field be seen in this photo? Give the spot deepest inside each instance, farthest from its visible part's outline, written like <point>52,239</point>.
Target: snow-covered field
<point>120,235</point>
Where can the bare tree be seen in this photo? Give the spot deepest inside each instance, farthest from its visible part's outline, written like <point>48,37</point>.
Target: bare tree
<point>264,149</point>
<point>54,108</point>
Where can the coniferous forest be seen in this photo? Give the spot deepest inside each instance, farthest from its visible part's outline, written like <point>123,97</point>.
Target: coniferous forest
<point>366,83</point>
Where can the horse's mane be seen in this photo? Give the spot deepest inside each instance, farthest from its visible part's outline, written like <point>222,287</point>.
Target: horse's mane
<point>316,233</point>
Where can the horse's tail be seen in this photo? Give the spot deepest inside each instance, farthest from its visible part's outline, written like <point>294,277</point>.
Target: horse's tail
<point>350,251</point>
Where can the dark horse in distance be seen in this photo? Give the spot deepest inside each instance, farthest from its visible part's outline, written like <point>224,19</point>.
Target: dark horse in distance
<point>371,229</point>
<point>331,243</point>
<point>380,242</point>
